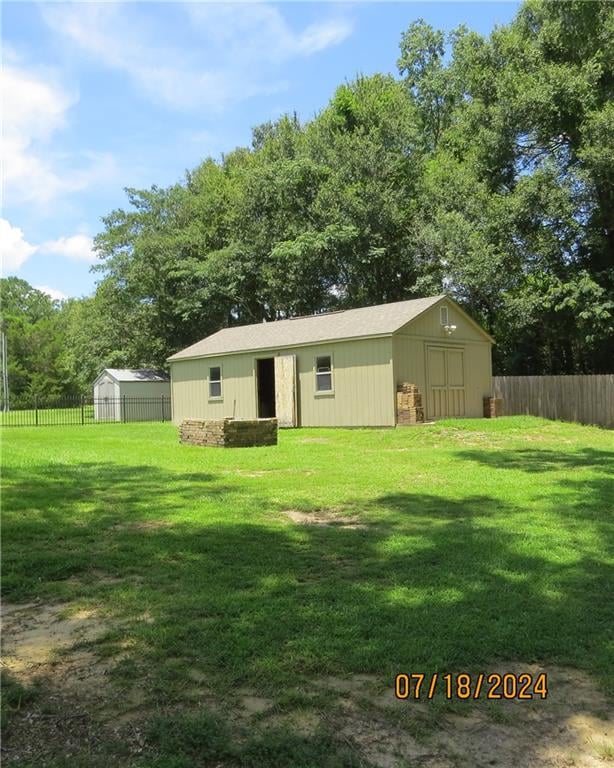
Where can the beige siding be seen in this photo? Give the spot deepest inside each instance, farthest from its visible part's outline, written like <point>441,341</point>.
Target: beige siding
<point>145,388</point>
<point>144,400</point>
<point>190,388</point>
<point>428,325</point>
<point>410,348</point>
<point>362,382</point>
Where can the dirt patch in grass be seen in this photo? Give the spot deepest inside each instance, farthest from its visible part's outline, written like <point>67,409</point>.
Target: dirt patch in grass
<point>254,705</point>
<point>471,438</point>
<point>571,727</point>
<point>142,525</point>
<point>94,575</point>
<point>301,722</point>
<point>268,472</point>
<point>79,714</point>
<point>355,684</point>
<point>323,517</point>
<point>574,726</point>
<point>45,647</point>
<point>253,472</point>
<point>34,634</point>
<point>315,440</point>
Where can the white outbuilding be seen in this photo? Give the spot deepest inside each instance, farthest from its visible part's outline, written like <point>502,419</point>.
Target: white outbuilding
<point>132,394</point>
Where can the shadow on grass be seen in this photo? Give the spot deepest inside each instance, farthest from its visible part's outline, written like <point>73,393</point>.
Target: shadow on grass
<point>544,460</point>
<point>584,496</point>
<point>438,584</point>
<point>64,518</point>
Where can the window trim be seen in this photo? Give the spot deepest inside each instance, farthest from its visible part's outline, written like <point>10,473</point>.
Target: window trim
<point>324,392</point>
<point>443,309</point>
<point>219,381</point>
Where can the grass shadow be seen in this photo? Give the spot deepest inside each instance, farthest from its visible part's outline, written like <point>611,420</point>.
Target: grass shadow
<point>436,583</point>
<point>232,590</point>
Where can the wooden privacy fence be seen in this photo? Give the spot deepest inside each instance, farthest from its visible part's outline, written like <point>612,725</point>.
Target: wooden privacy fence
<point>585,399</point>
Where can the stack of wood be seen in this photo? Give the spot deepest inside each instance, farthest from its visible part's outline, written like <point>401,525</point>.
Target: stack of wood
<point>200,432</point>
<point>244,433</point>
<point>228,433</point>
<point>409,405</point>
<point>493,407</point>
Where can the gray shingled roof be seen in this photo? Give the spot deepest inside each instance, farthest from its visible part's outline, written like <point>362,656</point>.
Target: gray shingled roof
<point>380,320</point>
<point>137,374</point>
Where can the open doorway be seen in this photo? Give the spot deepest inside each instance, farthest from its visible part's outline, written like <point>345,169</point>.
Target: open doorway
<point>266,388</point>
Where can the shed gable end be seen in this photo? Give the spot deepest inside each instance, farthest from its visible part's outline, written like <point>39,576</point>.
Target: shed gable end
<point>431,324</point>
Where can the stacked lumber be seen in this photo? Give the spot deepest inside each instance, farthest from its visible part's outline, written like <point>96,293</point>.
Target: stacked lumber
<point>493,407</point>
<point>228,433</point>
<point>409,405</point>
<point>200,432</point>
<point>241,434</point>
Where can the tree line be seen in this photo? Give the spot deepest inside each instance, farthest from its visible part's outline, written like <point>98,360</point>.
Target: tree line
<point>484,169</point>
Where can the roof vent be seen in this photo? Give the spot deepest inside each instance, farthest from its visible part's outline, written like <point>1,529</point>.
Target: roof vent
<point>317,314</point>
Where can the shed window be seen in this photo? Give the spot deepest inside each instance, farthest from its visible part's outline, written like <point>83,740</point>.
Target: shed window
<point>324,374</point>
<point>443,315</point>
<point>215,382</point>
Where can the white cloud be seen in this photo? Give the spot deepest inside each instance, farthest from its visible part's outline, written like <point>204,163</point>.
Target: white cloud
<point>52,292</point>
<point>234,51</point>
<point>16,250</point>
<point>76,247</point>
<point>317,37</point>
<point>258,31</point>
<point>34,109</point>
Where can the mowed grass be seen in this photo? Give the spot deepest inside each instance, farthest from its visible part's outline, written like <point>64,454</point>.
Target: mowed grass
<point>470,542</point>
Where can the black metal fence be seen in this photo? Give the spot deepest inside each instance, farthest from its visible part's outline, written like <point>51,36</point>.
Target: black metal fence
<point>86,410</point>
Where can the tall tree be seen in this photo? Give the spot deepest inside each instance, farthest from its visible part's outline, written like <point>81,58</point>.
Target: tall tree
<point>35,343</point>
<point>515,204</point>
<point>486,170</point>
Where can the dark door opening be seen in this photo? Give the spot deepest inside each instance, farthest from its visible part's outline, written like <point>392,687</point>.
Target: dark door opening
<point>266,388</point>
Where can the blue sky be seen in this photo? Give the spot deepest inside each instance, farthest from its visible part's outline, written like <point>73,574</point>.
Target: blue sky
<point>100,96</point>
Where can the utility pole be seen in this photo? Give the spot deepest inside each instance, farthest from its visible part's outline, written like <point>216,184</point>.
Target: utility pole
<point>5,371</point>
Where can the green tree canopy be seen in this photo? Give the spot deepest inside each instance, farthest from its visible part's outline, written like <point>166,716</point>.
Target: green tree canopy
<point>486,169</point>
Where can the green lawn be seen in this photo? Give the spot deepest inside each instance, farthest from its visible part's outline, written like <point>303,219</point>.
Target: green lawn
<point>470,542</point>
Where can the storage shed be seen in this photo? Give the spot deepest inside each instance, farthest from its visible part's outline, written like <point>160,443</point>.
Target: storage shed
<point>132,394</point>
<point>339,368</point>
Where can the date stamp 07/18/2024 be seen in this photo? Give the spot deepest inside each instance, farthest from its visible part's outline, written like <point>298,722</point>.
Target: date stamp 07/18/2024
<point>493,686</point>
